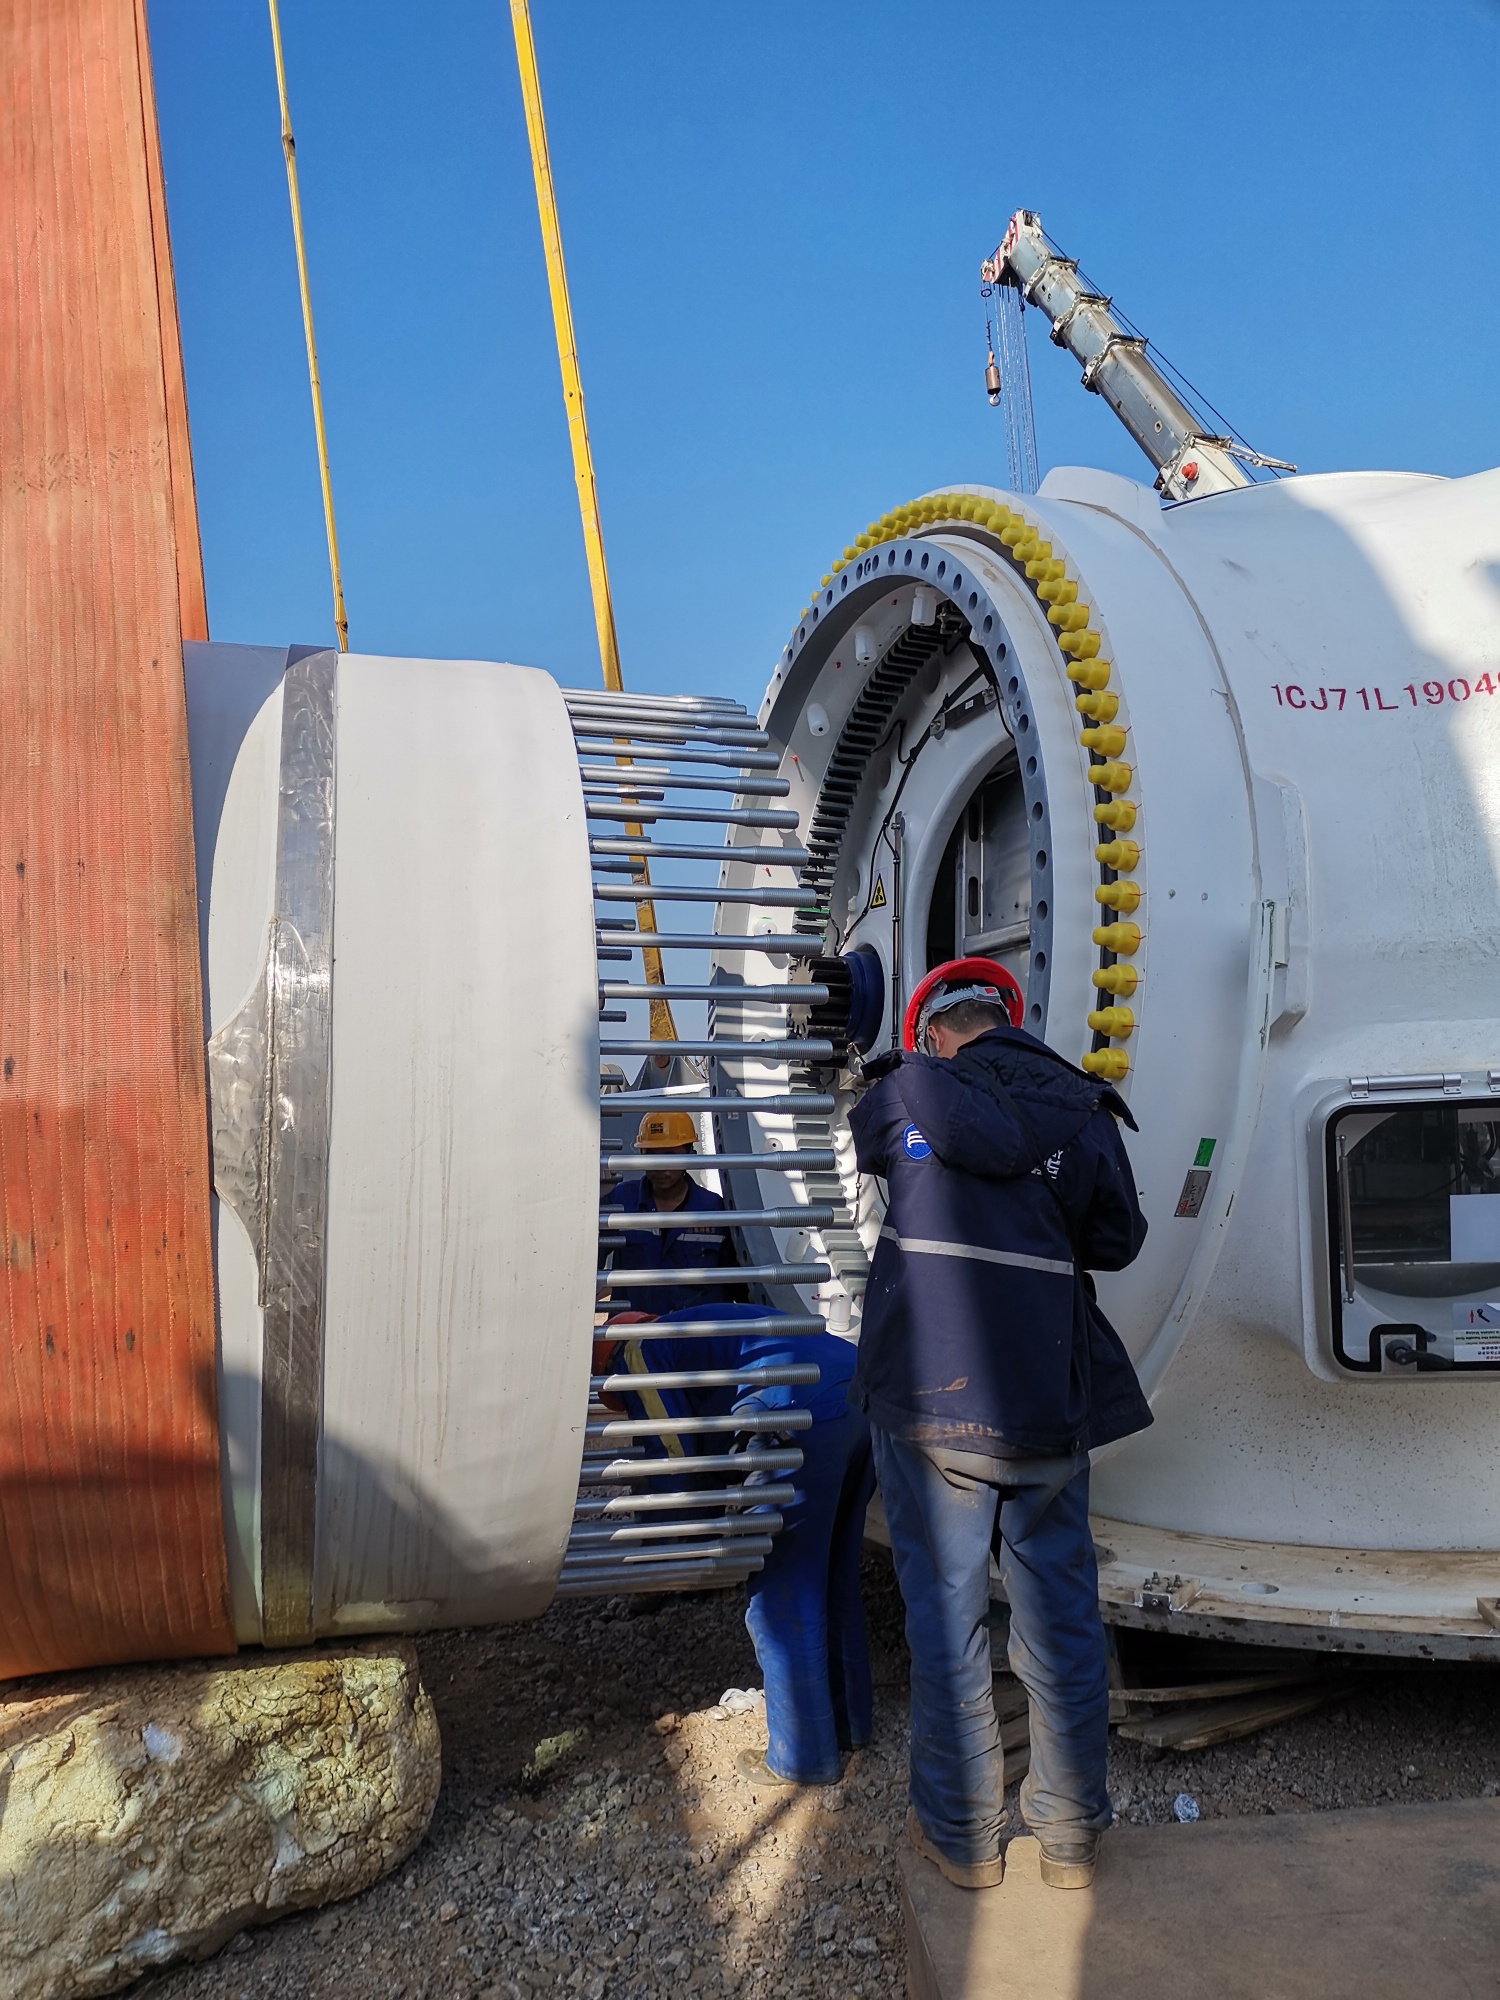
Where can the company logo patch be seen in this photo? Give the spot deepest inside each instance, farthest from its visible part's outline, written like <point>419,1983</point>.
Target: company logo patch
<point>914,1145</point>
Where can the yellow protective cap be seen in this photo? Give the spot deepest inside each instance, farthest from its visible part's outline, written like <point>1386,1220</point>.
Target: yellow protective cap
<point>1117,1021</point>
<point>1079,645</point>
<point>1110,740</point>
<point>1099,707</point>
<point>1124,896</point>
<point>1119,814</point>
<point>666,1132</point>
<point>1121,855</point>
<point>1122,938</point>
<point>1111,1064</point>
<point>1116,979</point>
<point>1068,617</point>
<point>1089,673</point>
<point>1111,777</point>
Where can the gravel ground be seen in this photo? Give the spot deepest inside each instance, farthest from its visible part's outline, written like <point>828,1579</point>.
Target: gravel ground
<point>592,1835</point>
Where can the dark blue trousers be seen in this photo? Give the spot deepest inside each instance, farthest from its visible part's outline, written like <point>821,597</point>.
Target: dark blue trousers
<point>806,1618</point>
<point>947,1513</point>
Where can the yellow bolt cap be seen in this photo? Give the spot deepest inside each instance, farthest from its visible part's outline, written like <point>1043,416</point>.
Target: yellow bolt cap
<point>1124,896</point>
<point>1111,777</point>
<point>1109,740</point>
<point>1117,1021</point>
<point>1116,979</point>
<point>1098,707</point>
<point>1118,814</point>
<point>1111,1064</point>
<point>1068,617</point>
<point>1090,673</point>
<point>1082,645</point>
<point>1121,855</point>
<point>1124,939</point>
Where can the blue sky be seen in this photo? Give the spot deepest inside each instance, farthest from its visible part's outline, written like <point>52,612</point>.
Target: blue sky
<point>773,219</point>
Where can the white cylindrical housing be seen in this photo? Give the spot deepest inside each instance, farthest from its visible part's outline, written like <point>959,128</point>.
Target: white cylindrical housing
<point>453,1200</point>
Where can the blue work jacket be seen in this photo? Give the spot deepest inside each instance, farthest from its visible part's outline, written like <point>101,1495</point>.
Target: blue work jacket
<point>1007,1180</point>
<point>827,1399</point>
<point>700,1242</point>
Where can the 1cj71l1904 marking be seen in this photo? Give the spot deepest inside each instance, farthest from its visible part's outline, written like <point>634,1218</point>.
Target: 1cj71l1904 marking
<point>1430,694</point>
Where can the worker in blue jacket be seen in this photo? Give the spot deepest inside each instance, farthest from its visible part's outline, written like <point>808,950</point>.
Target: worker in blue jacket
<point>805,1616</point>
<point>701,1242</point>
<point>988,1372</point>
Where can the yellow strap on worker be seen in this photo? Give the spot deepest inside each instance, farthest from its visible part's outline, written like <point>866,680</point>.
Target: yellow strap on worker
<point>663,1028</point>
<point>289,149</point>
<point>635,1361</point>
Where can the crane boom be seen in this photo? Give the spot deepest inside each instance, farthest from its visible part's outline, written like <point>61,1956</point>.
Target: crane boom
<point>1115,365</point>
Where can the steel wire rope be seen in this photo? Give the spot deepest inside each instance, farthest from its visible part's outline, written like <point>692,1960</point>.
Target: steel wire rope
<point>289,152</point>
<point>663,1027</point>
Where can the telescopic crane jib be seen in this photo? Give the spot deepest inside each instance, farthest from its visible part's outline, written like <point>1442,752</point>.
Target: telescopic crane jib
<point>1116,365</point>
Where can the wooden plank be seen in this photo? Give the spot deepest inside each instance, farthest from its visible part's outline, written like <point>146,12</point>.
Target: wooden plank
<point>1222,1721</point>
<point>1362,1905</point>
<point>111,1530</point>
<point>1167,1697</point>
<point>1010,1697</point>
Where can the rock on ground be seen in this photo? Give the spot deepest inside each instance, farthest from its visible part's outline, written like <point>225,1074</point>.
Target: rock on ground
<point>148,1814</point>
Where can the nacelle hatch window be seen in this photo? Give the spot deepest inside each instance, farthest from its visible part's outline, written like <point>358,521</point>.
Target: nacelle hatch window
<point>1414,1236</point>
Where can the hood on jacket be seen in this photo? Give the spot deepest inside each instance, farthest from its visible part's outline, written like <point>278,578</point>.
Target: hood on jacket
<point>1002,1106</point>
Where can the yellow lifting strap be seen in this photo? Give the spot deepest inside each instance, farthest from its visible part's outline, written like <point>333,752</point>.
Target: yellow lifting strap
<point>289,149</point>
<point>651,1402</point>
<point>663,1027</point>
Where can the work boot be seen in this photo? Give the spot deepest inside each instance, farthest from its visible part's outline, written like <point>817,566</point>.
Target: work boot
<point>751,1765</point>
<point>1068,1856</point>
<point>962,1874</point>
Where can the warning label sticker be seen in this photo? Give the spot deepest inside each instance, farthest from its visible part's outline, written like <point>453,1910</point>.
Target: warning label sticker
<point>877,901</point>
<point>1194,1193</point>
<point>1476,1334</point>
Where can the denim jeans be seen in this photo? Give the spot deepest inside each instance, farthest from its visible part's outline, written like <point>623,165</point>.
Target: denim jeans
<point>806,1618</point>
<point>947,1512</point>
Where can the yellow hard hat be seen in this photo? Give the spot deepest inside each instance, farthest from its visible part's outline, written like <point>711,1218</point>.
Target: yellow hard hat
<point>666,1132</point>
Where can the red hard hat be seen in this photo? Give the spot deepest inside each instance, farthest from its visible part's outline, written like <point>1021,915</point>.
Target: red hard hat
<point>981,974</point>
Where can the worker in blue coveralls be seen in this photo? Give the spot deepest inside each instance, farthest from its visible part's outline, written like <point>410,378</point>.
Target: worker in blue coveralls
<point>700,1243</point>
<point>805,1616</point>
<point>988,1372</point>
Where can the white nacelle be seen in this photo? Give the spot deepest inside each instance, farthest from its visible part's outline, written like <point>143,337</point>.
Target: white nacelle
<point>1308,678</point>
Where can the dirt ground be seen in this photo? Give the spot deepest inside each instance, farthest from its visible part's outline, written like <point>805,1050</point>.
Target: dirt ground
<point>593,1837</point>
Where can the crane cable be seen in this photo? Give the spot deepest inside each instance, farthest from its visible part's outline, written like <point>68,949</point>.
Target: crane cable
<point>663,1027</point>
<point>289,149</point>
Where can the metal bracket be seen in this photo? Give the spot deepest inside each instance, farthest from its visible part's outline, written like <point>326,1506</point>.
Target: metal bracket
<point>1166,1593</point>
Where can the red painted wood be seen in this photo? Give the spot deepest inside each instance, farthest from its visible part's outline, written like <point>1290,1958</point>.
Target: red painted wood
<point>111,1533</point>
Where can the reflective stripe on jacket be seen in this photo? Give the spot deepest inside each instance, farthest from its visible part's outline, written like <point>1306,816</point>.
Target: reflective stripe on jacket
<point>1005,1172</point>
<point>700,1243</point>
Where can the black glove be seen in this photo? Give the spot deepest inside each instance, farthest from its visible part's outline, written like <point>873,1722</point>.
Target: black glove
<point>873,1068</point>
